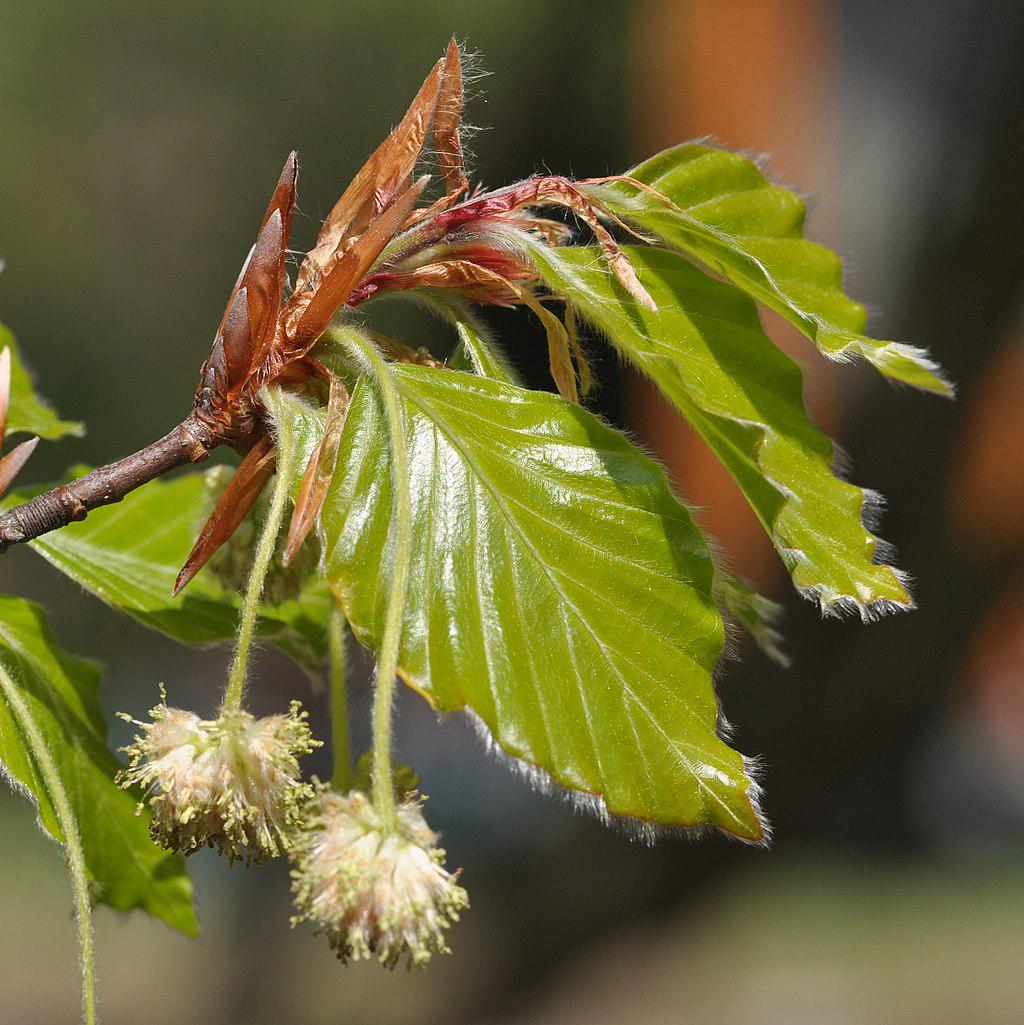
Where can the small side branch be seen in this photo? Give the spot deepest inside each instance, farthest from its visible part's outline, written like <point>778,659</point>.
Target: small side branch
<point>189,442</point>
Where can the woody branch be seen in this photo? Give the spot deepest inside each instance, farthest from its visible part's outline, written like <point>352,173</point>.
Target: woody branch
<point>189,442</point>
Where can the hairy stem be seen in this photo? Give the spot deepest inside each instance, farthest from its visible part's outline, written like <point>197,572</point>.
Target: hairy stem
<point>365,353</point>
<point>341,777</point>
<point>257,575</point>
<point>72,839</point>
<point>189,442</point>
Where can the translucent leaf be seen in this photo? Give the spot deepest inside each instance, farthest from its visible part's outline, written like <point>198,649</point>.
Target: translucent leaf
<point>560,592</point>
<point>706,350</point>
<point>729,216</point>
<point>476,355</point>
<point>128,870</point>
<point>477,352</point>
<point>755,613</point>
<point>129,555</point>
<point>740,603</point>
<point>29,413</point>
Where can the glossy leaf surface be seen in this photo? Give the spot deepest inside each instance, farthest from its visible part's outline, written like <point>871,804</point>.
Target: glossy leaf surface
<point>559,591</point>
<point>705,349</point>
<point>127,869</point>
<point>740,603</point>
<point>728,215</point>
<point>129,555</point>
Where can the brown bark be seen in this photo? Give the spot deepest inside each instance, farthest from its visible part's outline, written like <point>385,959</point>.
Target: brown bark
<point>189,442</point>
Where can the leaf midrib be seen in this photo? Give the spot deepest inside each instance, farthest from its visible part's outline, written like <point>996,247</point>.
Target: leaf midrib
<point>451,437</point>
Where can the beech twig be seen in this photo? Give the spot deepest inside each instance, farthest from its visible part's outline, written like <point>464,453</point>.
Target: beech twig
<point>189,442</point>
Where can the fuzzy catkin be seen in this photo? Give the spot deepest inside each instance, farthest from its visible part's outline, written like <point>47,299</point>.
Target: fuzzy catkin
<point>232,783</point>
<point>374,893</point>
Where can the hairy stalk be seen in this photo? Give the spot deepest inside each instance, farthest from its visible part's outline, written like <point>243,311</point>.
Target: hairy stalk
<point>341,777</point>
<point>366,355</point>
<point>189,442</point>
<point>257,575</point>
<point>72,839</point>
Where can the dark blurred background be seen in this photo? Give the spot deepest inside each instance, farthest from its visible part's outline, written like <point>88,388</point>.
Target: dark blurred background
<point>138,143</point>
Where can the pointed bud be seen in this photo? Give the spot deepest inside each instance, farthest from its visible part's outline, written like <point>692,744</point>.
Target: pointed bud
<point>231,562</point>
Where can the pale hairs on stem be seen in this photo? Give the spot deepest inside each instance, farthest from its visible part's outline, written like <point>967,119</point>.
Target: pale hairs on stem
<point>72,840</point>
<point>364,354</point>
<point>260,564</point>
<point>341,775</point>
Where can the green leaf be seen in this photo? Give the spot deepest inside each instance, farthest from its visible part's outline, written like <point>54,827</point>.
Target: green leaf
<point>739,602</point>
<point>28,413</point>
<point>129,554</point>
<point>477,352</point>
<point>560,592</point>
<point>404,777</point>
<point>298,425</point>
<point>726,214</point>
<point>755,613</point>
<point>705,349</point>
<point>127,869</point>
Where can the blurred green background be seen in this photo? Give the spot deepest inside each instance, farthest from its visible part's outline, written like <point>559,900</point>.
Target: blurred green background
<point>138,144</point>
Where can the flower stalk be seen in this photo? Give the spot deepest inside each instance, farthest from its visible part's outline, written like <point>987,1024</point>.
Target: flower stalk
<point>254,590</point>
<point>72,839</point>
<point>341,777</point>
<point>232,783</point>
<point>365,354</point>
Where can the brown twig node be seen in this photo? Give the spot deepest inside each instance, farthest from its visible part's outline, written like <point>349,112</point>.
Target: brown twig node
<point>376,239</point>
<point>189,442</point>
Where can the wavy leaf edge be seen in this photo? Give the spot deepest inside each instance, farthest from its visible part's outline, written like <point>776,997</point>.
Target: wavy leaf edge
<point>547,782</point>
<point>872,503</point>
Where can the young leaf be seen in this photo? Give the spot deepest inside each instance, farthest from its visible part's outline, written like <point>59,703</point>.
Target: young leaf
<point>560,592</point>
<point>739,602</point>
<point>725,213</point>
<point>127,868</point>
<point>755,613</point>
<point>706,350</point>
<point>129,554</point>
<point>476,352</point>
<point>28,412</point>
